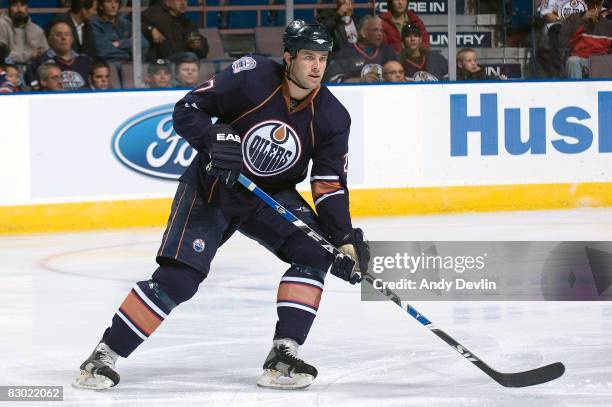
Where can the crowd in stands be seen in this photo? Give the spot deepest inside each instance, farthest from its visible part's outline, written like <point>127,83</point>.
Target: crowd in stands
<point>84,47</point>
<point>575,34</point>
<point>373,43</point>
<point>89,46</point>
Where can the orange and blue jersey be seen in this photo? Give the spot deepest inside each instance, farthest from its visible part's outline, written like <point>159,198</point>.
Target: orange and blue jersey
<point>280,137</point>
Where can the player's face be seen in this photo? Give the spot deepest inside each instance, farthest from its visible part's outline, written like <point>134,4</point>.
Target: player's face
<point>469,62</point>
<point>60,38</point>
<point>308,67</point>
<point>100,78</point>
<point>188,73</point>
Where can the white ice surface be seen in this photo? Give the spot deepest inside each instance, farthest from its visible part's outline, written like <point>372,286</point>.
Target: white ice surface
<point>59,291</point>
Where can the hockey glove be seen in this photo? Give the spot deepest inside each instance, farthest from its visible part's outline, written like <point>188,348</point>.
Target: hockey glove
<point>225,153</point>
<point>354,262</point>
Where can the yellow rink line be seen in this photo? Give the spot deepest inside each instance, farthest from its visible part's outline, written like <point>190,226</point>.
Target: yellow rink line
<point>364,202</point>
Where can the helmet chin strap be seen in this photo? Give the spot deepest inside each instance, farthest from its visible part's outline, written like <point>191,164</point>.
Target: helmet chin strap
<point>288,75</point>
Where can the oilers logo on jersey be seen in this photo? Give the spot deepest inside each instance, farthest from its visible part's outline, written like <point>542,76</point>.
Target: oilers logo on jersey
<point>270,148</point>
<point>72,80</point>
<point>573,6</point>
<point>563,8</point>
<point>199,245</point>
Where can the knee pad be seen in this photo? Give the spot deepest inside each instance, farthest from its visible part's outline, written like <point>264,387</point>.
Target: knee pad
<point>304,251</point>
<point>297,270</point>
<point>176,282</point>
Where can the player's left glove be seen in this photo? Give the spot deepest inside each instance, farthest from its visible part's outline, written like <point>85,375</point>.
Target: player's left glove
<point>354,262</point>
<point>225,153</point>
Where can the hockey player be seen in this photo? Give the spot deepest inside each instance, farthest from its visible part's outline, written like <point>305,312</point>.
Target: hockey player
<point>273,120</point>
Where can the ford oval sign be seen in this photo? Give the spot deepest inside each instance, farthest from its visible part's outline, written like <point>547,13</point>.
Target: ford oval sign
<point>147,143</point>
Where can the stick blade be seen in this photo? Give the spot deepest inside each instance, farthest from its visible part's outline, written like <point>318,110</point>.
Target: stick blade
<point>530,377</point>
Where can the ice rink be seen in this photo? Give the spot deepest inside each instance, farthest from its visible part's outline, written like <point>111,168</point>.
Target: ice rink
<point>59,292</point>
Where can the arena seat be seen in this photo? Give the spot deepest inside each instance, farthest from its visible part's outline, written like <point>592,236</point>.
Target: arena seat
<point>269,41</point>
<point>601,66</point>
<point>215,46</point>
<point>114,80</point>
<point>127,75</point>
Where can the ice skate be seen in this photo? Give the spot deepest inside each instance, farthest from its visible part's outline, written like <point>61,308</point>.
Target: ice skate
<point>284,370</point>
<point>98,370</point>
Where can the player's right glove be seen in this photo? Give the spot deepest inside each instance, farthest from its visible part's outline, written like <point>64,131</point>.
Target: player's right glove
<point>354,262</point>
<point>225,153</point>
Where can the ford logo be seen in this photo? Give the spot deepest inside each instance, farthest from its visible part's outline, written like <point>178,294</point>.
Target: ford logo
<point>148,144</point>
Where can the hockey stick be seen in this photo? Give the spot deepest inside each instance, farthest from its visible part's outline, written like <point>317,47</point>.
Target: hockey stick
<point>519,379</point>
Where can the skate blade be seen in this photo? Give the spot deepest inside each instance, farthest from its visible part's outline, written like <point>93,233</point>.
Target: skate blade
<point>92,382</point>
<point>273,379</point>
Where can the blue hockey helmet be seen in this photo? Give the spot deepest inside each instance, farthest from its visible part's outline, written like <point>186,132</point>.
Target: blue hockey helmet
<point>301,35</point>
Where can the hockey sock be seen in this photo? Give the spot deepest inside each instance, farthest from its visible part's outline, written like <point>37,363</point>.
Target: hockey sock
<point>148,304</point>
<point>297,302</point>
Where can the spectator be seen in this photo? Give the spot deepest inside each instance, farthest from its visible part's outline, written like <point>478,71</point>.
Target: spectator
<point>99,76</point>
<point>11,82</point>
<point>362,61</point>
<point>75,67</point>
<point>112,33</point>
<point>24,39</point>
<point>78,18</point>
<point>159,75</point>
<point>468,69</point>
<point>587,34</point>
<point>551,56</point>
<point>394,21</point>
<point>420,63</point>
<point>187,73</point>
<point>50,77</point>
<point>340,23</point>
<point>393,71</point>
<point>171,33</point>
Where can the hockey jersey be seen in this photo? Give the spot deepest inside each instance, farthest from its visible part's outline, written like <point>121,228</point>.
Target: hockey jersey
<point>350,61</point>
<point>563,8</point>
<point>431,67</point>
<point>278,139</point>
<point>75,72</point>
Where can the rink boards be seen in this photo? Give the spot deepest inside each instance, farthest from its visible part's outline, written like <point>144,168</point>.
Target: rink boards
<point>89,160</point>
